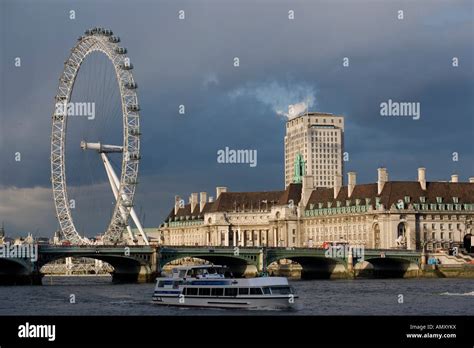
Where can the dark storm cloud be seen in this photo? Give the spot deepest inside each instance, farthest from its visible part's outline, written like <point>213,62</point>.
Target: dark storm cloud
<point>190,62</point>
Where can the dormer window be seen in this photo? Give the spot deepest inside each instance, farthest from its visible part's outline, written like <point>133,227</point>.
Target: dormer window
<point>407,199</point>
<point>456,199</point>
<point>439,199</point>
<point>367,201</point>
<point>348,203</point>
<point>422,199</point>
<point>357,201</point>
<point>338,204</point>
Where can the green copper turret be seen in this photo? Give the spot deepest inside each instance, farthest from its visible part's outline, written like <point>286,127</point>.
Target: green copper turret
<point>300,169</point>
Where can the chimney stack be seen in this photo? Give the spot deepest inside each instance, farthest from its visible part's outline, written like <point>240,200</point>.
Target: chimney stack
<point>193,200</point>
<point>202,201</point>
<point>382,179</point>
<point>471,179</point>
<point>219,190</point>
<point>307,188</point>
<point>337,184</point>
<point>454,178</point>
<point>422,178</point>
<point>177,200</point>
<point>351,182</point>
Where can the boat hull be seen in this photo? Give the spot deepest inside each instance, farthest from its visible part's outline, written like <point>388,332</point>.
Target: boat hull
<point>261,302</point>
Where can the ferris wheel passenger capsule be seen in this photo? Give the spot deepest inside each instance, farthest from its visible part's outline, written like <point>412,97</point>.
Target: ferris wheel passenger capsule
<point>125,66</point>
<point>121,50</point>
<point>135,156</point>
<point>135,132</point>
<point>131,85</point>
<point>133,107</point>
<point>129,181</point>
<point>127,204</point>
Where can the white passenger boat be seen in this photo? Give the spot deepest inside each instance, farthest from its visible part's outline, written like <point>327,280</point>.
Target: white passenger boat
<point>214,286</point>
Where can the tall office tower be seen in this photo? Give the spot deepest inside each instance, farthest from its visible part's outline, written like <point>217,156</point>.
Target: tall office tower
<point>314,141</point>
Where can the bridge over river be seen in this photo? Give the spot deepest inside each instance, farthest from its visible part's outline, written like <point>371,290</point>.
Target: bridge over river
<point>145,263</point>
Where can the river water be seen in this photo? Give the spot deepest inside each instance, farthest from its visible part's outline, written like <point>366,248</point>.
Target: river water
<point>96,295</point>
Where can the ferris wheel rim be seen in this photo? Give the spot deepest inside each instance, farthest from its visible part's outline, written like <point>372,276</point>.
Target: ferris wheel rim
<point>101,40</point>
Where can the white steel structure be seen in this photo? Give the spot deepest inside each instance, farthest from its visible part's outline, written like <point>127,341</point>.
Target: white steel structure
<point>101,40</point>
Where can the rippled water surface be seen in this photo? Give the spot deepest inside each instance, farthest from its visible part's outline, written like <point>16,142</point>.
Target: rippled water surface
<point>98,296</point>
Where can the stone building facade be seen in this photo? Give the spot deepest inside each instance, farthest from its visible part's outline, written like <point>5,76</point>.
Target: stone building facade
<point>385,214</point>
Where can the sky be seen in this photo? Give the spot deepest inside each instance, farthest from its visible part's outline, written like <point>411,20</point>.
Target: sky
<point>190,62</point>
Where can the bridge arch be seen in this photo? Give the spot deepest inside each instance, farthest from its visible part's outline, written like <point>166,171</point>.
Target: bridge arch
<point>238,265</point>
<point>83,265</point>
<point>241,261</point>
<point>386,267</point>
<point>15,271</point>
<point>125,268</point>
<point>316,267</point>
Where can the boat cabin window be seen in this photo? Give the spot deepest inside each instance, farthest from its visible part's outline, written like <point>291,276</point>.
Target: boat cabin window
<point>191,291</point>
<point>266,290</point>
<point>217,292</point>
<point>243,291</point>
<point>205,291</point>
<point>231,292</point>
<point>194,272</point>
<point>182,273</point>
<point>281,290</point>
<point>177,283</point>
<point>255,291</point>
<point>162,283</point>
